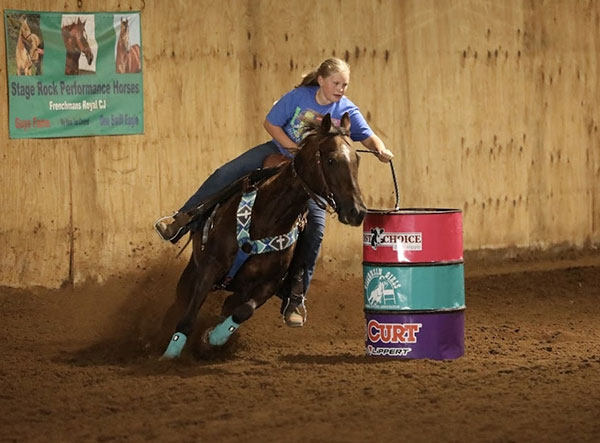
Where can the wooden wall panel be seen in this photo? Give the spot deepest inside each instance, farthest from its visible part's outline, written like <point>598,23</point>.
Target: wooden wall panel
<point>491,107</point>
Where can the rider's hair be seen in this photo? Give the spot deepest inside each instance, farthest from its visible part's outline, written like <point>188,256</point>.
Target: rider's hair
<point>330,66</point>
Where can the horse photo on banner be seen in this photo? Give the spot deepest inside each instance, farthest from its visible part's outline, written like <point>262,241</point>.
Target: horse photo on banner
<point>72,74</point>
<point>127,49</point>
<point>24,45</point>
<point>78,35</point>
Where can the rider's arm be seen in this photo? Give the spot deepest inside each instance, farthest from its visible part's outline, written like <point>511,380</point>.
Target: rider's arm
<point>374,143</point>
<point>279,134</point>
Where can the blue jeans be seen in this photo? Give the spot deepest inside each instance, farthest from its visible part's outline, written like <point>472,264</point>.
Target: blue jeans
<point>228,173</point>
<point>309,242</point>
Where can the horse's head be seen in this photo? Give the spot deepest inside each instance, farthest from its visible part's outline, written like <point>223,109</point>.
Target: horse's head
<point>124,32</point>
<point>75,38</point>
<point>25,31</point>
<point>82,41</point>
<point>328,166</point>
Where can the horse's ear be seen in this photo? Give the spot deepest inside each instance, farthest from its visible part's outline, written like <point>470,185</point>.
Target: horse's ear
<point>345,123</point>
<point>326,124</point>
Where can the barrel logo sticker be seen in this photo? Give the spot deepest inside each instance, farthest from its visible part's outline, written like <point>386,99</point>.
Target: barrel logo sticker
<point>391,334</point>
<point>403,241</point>
<point>383,289</point>
<point>391,352</point>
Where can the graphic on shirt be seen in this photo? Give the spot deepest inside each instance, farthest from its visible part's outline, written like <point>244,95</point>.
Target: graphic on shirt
<point>300,120</point>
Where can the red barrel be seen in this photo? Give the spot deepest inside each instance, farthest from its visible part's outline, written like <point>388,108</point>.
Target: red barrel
<point>413,236</point>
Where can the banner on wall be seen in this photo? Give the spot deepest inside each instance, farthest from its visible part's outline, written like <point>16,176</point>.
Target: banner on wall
<point>74,74</point>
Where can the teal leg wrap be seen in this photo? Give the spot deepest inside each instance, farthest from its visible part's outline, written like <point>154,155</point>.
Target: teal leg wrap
<point>175,346</point>
<point>222,332</point>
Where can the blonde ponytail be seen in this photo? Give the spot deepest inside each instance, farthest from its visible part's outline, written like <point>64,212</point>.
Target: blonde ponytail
<point>330,66</point>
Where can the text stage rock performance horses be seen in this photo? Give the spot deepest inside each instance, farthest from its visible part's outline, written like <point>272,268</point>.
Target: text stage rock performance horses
<point>226,253</point>
<point>76,43</point>
<point>128,57</point>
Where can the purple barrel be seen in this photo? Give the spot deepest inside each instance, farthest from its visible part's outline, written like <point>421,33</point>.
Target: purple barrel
<point>437,335</point>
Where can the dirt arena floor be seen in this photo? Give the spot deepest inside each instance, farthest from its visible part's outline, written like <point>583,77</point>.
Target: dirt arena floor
<point>81,364</point>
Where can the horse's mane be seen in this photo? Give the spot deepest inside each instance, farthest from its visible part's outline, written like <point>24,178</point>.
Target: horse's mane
<point>312,127</point>
<point>70,26</point>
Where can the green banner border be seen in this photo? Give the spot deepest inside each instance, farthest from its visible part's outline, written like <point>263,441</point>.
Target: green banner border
<point>99,99</point>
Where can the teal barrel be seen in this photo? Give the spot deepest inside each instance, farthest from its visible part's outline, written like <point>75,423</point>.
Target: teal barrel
<point>414,287</point>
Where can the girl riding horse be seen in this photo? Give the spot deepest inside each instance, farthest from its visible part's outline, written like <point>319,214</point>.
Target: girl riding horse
<point>320,92</point>
<point>246,244</point>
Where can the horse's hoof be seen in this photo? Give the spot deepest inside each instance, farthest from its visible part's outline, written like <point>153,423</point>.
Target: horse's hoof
<point>175,346</point>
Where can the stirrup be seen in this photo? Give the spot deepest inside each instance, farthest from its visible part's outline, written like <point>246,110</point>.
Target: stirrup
<point>161,233</point>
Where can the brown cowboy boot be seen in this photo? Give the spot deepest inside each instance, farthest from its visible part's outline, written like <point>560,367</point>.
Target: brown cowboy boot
<point>294,310</point>
<point>169,230</point>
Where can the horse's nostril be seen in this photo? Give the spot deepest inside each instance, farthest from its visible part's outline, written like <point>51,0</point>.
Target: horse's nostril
<point>361,216</point>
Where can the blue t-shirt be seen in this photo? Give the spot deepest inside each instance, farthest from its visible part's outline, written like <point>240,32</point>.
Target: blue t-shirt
<point>299,104</point>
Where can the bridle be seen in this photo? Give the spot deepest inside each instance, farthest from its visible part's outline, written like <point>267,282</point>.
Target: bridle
<point>26,39</point>
<point>328,197</point>
<point>23,37</point>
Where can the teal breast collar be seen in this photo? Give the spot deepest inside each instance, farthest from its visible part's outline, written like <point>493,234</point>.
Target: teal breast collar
<point>247,246</point>
<point>267,244</point>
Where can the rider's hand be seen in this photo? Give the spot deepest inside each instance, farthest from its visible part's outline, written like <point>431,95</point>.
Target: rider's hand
<point>384,155</point>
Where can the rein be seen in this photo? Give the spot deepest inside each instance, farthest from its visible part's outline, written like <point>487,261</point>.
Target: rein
<point>316,197</point>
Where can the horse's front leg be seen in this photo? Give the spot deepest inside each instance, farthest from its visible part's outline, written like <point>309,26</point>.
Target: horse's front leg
<point>220,334</point>
<point>184,292</point>
<point>202,286</point>
<point>231,302</point>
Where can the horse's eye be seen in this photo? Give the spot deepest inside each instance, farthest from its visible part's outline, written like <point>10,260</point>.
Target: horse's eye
<point>330,161</point>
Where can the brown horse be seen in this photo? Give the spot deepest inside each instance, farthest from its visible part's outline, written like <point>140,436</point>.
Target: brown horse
<point>325,168</point>
<point>128,57</point>
<point>28,51</point>
<point>76,42</point>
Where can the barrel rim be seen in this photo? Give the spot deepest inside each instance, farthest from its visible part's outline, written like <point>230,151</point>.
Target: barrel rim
<point>414,211</point>
<point>408,264</point>
<point>416,311</point>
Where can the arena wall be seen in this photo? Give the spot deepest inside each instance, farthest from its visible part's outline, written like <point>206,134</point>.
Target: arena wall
<point>491,107</point>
